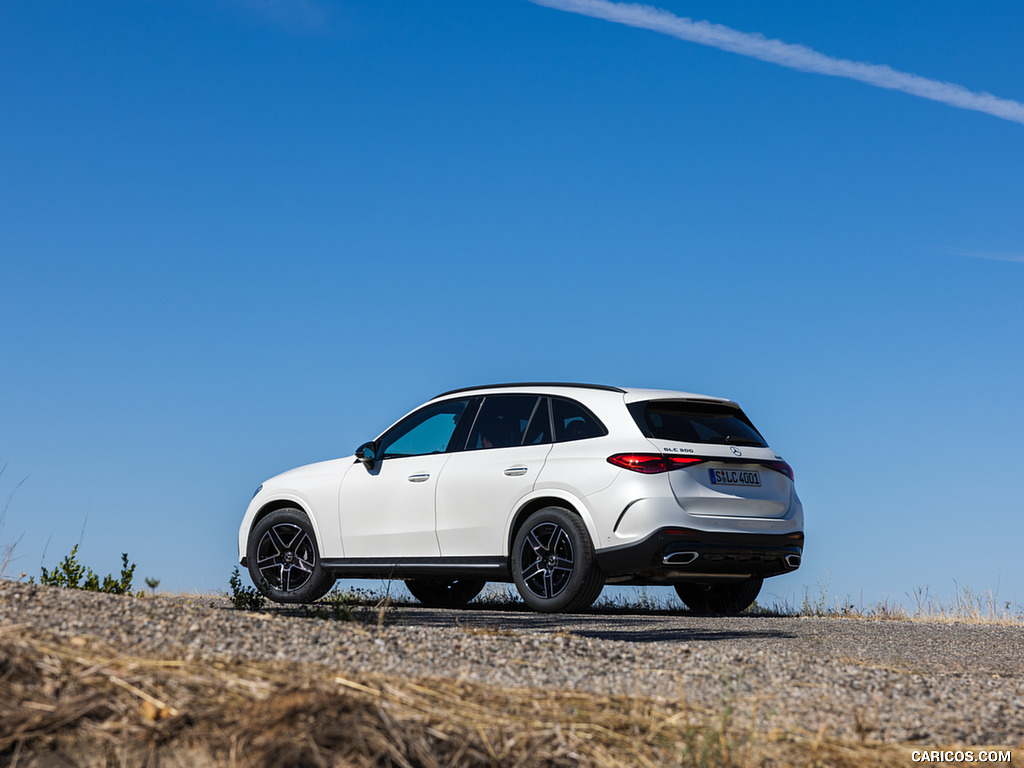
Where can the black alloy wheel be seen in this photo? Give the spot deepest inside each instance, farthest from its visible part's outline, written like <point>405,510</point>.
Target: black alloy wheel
<point>283,559</point>
<point>553,562</point>
<point>726,599</point>
<point>444,593</point>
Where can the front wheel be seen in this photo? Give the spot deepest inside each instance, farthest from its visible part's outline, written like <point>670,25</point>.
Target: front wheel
<point>283,559</point>
<point>727,599</point>
<point>553,562</point>
<point>441,593</point>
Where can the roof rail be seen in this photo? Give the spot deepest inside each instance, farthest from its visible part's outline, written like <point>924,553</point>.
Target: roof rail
<point>605,387</point>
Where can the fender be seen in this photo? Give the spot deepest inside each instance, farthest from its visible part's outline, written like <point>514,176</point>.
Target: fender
<point>570,499</point>
<point>294,499</point>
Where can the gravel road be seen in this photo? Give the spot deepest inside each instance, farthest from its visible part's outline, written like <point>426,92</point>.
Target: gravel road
<point>926,683</point>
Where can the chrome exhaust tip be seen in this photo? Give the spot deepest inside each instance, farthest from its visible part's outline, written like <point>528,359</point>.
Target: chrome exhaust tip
<point>679,558</point>
<point>793,561</point>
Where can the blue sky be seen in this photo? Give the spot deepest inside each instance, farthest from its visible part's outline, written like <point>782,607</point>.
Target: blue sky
<point>239,236</point>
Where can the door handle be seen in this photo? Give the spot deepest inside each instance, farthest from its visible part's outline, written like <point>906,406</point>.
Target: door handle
<point>515,471</point>
<point>419,478</point>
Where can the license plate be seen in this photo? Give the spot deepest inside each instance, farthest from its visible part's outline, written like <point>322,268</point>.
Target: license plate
<point>734,477</point>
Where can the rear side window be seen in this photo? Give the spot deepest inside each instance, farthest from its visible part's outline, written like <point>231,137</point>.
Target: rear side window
<point>574,422</point>
<point>539,431</point>
<point>505,419</point>
<point>690,422</point>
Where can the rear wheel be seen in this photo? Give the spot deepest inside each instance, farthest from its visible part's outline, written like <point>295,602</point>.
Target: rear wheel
<point>284,561</point>
<point>553,562</point>
<point>442,593</point>
<point>728,599</point>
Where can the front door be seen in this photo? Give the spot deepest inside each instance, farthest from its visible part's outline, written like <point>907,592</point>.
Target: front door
<point>387,511</point>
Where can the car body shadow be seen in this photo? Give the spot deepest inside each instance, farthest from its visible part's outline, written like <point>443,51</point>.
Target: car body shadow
<point>634,626</point>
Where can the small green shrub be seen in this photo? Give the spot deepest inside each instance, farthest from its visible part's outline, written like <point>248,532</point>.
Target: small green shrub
<point>244,598</point>
<point>69,574</point>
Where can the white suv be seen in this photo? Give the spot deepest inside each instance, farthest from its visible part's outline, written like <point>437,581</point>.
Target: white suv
<point>560,488</point>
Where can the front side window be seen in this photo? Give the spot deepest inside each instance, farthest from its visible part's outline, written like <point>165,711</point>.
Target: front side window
<point>429,430</point>
<point>690,422</point>
<point>504,420</point>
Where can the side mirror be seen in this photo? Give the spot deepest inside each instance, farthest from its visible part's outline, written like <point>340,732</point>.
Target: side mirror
<point>367,453</point>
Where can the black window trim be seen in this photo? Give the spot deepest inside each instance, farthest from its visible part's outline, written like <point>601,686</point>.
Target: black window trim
<point>460,437</point>
<point>551,420</point>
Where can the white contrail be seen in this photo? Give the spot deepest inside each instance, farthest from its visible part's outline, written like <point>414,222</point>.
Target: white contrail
<point>789,55</point>
<point>992,255</point>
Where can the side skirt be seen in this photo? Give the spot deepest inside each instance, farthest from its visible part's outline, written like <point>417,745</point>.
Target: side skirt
<point>488,568</point>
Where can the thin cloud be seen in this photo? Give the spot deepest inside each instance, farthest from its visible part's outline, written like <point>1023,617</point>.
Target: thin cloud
<point>798,57</point>
<point>295,15</point>
<point>992,256</point>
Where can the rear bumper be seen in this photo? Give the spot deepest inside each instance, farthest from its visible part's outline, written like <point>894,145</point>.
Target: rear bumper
<point>681,554</point>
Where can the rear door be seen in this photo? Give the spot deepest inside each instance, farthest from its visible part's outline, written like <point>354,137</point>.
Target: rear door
<point>504,454</point>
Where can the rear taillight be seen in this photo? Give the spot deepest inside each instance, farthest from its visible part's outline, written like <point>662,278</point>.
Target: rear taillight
<point>779,466</point>
<point>675,462</point>
<point>651,463</point>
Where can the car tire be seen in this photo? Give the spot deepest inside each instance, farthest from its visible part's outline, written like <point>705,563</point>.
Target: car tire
<point>725,599</point>
<point>284,560</point>
<point>553,563</point>
<point>444,593</point>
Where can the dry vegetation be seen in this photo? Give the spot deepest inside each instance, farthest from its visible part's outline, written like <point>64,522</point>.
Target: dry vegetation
<point>964,606</point>
<point>68,703</point>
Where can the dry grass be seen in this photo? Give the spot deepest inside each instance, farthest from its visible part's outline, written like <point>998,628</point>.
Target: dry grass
<point>965,606</point>
<point>66,702</point>
<point>7,547</point>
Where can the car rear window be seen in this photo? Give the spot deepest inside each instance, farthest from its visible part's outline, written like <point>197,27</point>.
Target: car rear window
<point>694,422</point>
